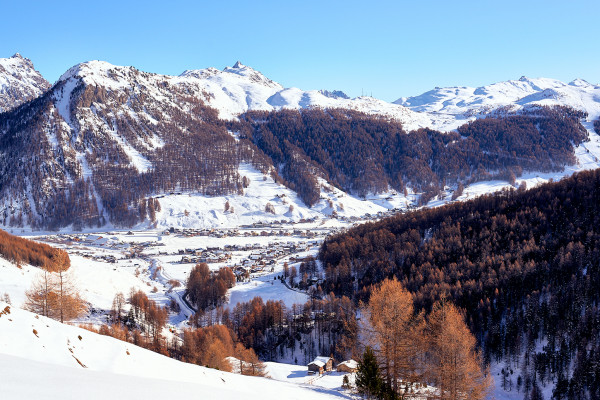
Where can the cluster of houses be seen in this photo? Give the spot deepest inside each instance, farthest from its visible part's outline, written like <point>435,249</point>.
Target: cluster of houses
<point>212,255</point>
<point>321,365</point>
<point>191,232</point>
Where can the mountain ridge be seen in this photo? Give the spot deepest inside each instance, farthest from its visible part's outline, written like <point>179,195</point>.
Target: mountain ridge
<point>105,141</point>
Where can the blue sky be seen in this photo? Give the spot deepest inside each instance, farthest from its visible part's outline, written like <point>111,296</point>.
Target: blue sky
<point>387,48</point>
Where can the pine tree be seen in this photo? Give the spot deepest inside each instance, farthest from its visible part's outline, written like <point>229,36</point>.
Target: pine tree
<point>368,378</point>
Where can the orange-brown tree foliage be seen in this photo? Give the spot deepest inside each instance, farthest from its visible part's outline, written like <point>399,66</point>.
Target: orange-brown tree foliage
<point>205,288</point>
<point>25,251</point>
<point>151,317</point>
<point>215,347</point>
<point>453,364</point>
<point>439,350</point>
<point>397,333</point>
<point>54,293</point>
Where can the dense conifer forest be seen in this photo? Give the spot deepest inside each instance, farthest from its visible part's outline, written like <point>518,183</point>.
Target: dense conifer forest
<point>368,154</point>
<point>523,264</point>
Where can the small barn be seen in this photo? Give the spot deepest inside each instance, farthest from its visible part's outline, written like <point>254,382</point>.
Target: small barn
<point>321,365</point>
<point>348,366</point>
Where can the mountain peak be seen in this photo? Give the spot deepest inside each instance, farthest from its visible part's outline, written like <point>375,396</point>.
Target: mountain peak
<point>238,65</point>
<point>17,59</point>
<point>579,83</point>
<point>19,82</point>
<point>100,73</point>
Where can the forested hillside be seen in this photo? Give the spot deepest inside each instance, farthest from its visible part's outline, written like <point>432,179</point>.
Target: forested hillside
<point>368,154</point>
<point>523,264</point>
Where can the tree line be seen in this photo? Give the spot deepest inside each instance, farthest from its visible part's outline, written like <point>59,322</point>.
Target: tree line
<point>24,251</point>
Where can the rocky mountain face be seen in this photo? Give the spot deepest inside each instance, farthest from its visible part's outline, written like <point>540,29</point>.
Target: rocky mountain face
<point>102,139</point>
<point>19,82</point>
<point>104,142</point>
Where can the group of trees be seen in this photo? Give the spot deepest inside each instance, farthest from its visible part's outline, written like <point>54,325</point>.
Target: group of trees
<point>522,264</point>
<point>24,251</point>
<point>143,324</point>
<point>208,289</point>
<point>212,345</point>
<point>273,331</point>
<point>413,349</point>
<point>216,346</point>
<point>54,293</point>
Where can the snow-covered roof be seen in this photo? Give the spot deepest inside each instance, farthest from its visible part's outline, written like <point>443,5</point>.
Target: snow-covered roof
<point>320,361</point>
<point>349,363</point>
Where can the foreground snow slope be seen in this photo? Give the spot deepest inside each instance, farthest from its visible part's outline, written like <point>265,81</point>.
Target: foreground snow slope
<point>41,358</point>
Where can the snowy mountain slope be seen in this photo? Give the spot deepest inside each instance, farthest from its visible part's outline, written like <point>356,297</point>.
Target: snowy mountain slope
<point>197,211</point>
<point>240,88</point>
<point>102,126</point>
<point>19,82</point>
<point>41,358</point>
<point>467,102</point>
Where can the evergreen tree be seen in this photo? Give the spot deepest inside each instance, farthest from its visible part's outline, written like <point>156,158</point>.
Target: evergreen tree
<point>368,378</point>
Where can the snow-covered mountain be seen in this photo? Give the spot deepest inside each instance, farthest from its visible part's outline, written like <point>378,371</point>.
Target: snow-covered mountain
<point>467,102</point>
<point>104,139</point>
<point>19,82</point>
<point>240,88</point>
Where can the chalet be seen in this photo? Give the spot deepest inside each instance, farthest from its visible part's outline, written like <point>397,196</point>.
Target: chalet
<point>321,365</point>
<point>348,366</point>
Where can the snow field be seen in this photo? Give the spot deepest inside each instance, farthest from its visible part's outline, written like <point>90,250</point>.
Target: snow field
<point>67,362</point>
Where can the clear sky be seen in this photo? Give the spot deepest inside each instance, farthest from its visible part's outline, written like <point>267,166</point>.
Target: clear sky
<point>387,48</point>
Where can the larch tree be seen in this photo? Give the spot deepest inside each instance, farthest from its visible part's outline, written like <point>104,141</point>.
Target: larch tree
<point>38,298</point>
<point>54,294</point>
<point>454,365</point>
<point>397,335</point>
<point>117,307</point>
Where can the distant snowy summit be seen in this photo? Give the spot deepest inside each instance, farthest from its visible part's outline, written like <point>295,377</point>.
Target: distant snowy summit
<point>19,82</point>
<point>240,88</point>
<point>470,102</point>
